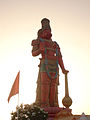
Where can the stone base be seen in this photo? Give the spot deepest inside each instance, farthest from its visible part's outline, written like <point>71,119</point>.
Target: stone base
<point>54,112</point>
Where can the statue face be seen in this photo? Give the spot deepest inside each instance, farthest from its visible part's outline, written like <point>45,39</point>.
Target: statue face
<point>46,34</point>
<point>45,24</point>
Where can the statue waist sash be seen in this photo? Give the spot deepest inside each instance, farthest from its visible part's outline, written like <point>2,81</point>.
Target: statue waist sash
<point>52,66</point>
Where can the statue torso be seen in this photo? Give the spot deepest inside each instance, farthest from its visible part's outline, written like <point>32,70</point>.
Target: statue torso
<point>49,49</point>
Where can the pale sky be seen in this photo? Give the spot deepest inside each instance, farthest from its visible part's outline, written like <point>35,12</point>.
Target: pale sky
<point>19,22</point>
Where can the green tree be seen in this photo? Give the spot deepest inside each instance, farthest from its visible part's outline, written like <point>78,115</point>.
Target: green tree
<point>29,112</point>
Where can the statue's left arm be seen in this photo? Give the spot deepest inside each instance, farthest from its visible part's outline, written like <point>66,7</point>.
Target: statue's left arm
<point>60,61</point>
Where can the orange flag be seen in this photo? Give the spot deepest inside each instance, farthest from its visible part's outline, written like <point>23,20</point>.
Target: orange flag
<point>15,87</point>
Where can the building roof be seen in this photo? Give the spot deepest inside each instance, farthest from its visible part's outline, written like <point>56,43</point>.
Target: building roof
<point>73,117</point>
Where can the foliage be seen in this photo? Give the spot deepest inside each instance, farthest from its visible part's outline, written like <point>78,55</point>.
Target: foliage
<point>29,112</point>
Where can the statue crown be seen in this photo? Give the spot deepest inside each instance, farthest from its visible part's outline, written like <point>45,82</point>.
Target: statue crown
<point>44,20</point>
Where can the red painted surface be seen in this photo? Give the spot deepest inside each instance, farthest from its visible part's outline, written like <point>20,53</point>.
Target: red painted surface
<point>48,77</point>
<point>53,111</point>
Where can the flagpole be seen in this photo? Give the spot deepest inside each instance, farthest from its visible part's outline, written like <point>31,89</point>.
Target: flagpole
<point>18,89</point>
<point>18,108</point>
<point>18,101</point>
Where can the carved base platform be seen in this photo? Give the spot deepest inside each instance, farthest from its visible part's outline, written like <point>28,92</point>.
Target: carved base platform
<point>54,112</point>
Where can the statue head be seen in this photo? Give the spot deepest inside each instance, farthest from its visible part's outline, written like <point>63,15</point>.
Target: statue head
<point>45,23</point>
<point>45,31</point>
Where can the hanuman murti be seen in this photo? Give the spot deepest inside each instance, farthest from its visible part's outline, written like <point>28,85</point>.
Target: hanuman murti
<point>48,77</point>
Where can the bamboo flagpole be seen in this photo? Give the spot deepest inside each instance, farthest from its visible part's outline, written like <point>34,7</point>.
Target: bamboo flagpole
<point>18,103</point>
<point>18,108</point>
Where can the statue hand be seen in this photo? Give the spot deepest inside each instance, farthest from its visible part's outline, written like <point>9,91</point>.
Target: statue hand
<point>65,71</point>
<point>42,47</point>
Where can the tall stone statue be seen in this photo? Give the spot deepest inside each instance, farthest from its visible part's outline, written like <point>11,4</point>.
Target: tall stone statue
<point>48,77</point>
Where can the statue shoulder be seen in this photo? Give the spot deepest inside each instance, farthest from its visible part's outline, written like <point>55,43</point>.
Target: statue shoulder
<point>56,45</point>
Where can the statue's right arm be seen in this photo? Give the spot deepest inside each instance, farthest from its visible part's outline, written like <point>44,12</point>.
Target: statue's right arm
<point>36,48</point>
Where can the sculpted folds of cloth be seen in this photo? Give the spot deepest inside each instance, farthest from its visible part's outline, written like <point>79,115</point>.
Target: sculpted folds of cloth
<point>51,59</point>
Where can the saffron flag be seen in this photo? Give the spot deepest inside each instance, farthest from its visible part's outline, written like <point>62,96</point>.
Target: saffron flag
<point>15,87</point>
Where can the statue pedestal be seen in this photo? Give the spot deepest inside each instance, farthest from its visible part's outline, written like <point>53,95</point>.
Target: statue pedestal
<point>54,112</point>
